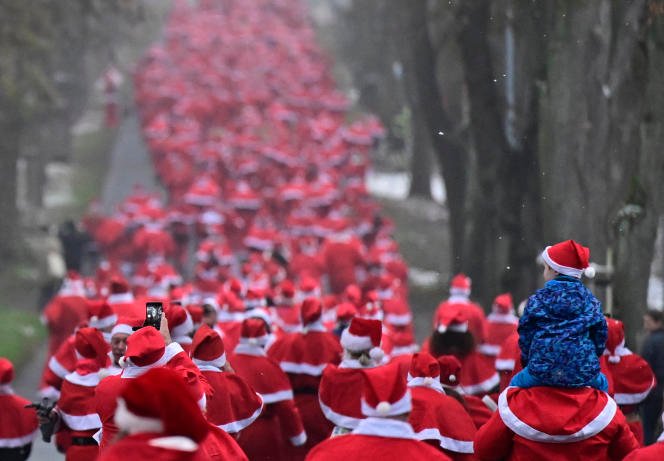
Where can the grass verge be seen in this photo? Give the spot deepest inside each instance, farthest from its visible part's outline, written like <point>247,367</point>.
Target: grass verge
<point>20,332</point>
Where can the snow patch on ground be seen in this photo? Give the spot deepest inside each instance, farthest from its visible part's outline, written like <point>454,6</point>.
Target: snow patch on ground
<point>656,293</point>
<point>395,185</point>
<point>58,190</point>
<point>423,278</point>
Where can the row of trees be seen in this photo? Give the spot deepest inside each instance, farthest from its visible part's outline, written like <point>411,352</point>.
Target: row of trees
<point>51,53</point>
<point>545,117</point>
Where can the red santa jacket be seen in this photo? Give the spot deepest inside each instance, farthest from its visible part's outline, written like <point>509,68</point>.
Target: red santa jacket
<point>654,452</point>
<point>153,446</point>
<point>342,256</point>
<point>508,361</point>
<point>340,393</point>
<point>547,423</point>
<point>379,439</point>
<point>499,328</point>
<point>58,366</point>
<point>441,419</point>
<point>62,315</point>
<point>234,404</point>
<point>476,319</point>
<point>127,309</point>
<point>18,425</point>
<point>478,374</point>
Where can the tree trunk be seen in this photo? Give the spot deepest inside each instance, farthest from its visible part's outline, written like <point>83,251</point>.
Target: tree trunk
<point>450,151</point>
<point>636,237</point>
<point>421,158</point>
<point>9,221</point>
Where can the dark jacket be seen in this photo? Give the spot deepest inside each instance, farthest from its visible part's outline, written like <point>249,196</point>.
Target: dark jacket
<point>653,352</point>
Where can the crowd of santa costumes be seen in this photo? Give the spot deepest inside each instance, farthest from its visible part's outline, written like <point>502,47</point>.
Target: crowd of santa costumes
<point>286,317</point>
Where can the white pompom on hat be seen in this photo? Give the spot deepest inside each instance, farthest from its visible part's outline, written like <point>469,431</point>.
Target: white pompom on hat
<point>569,258</point>
<point>362,335</point>
<point>385,392</point>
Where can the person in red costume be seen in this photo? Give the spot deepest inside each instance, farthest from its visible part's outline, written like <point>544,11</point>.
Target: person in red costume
<point>385,434</point>
<point>18,425</point>
<point>343,256</point>
<point>304,356</point>
<point>460,289</point>
<point>340,392</point>
<point>437,418</point>
<point>630,374</point>
<point>501,323</point>
<point>654,452</point>
<point>280,423</point>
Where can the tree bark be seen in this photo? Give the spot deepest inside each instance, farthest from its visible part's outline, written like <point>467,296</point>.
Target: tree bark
<point>9,215</point>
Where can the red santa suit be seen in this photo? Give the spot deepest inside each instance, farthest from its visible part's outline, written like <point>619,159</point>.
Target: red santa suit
<point>18,425</point>
<point>233,405</point>
<point>280,421</point>
<point>630,374</point>
<point>459,299</point>
<point>342,255</point>
<point>65,312</point>
<point>508,361</point>
<point>437,418</point>
<point>501,324</point>
<point>581,424</point>
<point>654,452</point>
<point>122,301</point>
<point>145,350</point>
<point>304,356</point>
<point>340,392</point>
<point>161,418</point>
<point>77,410</point>
<point>384,396</point>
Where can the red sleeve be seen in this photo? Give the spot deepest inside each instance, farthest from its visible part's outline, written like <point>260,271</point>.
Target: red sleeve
<point>623,442</point>
<point>493,440</point>
<point>290,421</point>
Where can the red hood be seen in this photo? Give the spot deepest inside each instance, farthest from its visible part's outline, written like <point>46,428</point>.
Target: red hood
<point>562,415</point>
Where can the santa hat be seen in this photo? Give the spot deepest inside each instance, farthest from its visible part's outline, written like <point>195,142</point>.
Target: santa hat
<point>385,392</point>
<point>145,347</point>
<point>196,314</point>
<point>615,341</point>
<point>460,285</point>
<point>254,332</point>
<point>424,371</point>
<point>503,304</point>
<point>180,323</point>
<point>345,312</point>
<point>569,258</point>
<point>403,342</point>
<point>6,371</point>
<point>450,370</point>
<point>90,343</point>
<point>159,402</point>
<point>286,292</point>
<point>363,335</point>
<point>397,312</point>
<point>254,299</point>
<point>452,318</point>
<point>310,311</point>
<point>101,315</point>
<point>208,348</point>
<point>353,294</point>
<point>309,286</point>
<point>118,285</point>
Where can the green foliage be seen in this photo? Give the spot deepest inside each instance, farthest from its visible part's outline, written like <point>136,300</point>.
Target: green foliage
<point>20,331</point>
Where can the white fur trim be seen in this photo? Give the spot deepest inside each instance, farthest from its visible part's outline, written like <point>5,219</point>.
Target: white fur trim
<point>490,403</point>
<point>183,339</point>
<point>399,319</point>
<point>49,392</point>
<point>120,298</point>
<point>385,427</point>
<point>89,380</point>
<point>489,349</point>
<point>6,389</point>
<point>183,329</point>
<point>404,350</point>
<point>446,443</point>
<point>255,341</point>
<point>400,407</point>
<point>171,350</point>
<point>299,440</point>
<point>431,383</point>
<point>57,368</point>
<point>459,295</point>
<point>355,343</point>
<point>353,363</point>
<point>458,327</point>
<point>219,362</point>
<point>98,436</point>
<point>621,351</point>
<point>104,322</point>
<point>278,396</point>
<point>505,364</point>
<point>509,319</point>
<point>19,441</point>
<point>484,386</point>
<point>565,270</point>
<point>338,419</point>
<point>316,326</point>
<point>237,426</point>
<point>133,424</point>
<point>519,427</point>
<point>633,398</point>
<point>176,442</point>
<point>81,422</point>
<point>303,368</point>
<point>250,349</point>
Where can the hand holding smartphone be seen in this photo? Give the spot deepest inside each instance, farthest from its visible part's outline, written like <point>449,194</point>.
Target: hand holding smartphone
<point>153,314</point>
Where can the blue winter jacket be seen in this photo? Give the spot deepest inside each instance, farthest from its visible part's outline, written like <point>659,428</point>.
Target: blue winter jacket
<point>562,333</point>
